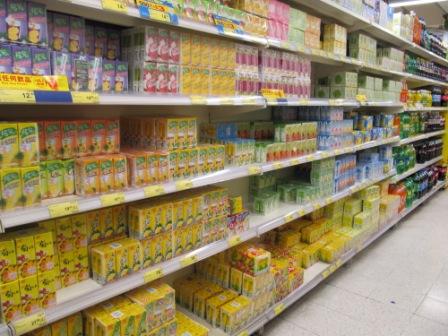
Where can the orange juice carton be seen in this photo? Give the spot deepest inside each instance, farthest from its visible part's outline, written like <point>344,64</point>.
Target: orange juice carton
<point>121,259</point>
<point>120,172</point>
<point>26,254</point>
<point>11,301</point>
<point>153,167</point>
<point>120,216</point>
<point>84,137</point>
<point>43,180</point>
<point>31,194</point>
<point>59,328</point>
<point>55,172</point>
<point>112,141</point>
<point>87,176</point>
<point>107,181</point>
<point>47,289</point>
<point>103,264</point>
<point>28,144</point>
<point>94,229</point>
<point>44,246</point>
<point>137,169</point>
<point>69,132</point>
<point>107,223</point>
<point>75,325</point>
<point>163,167</point>
<point>29,293</point>
<point>42,143</point>
<point>8,260</point>
<point>11,188</point>
<point>69,176</point>
<point>64,234</point>
<point>53,140</point>
<point>98,136</point>
<point>9,145</point>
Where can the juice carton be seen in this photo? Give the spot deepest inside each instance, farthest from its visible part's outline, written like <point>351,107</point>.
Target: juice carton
<point>120,172</point>
<point>3,35</point>
<point>87,176</point>
<point>112,139</point>
<point>98,136</point>
<point>43,180</point>
<point>81,257</point>
<point>16,21</point>
<point>47,288</point>
<point>67,267</point>
<point>11,301</point>
<point>140,222</point>
<point>76,41</point>
<point>11,188</point>
<point>61,32</point>
<point>53,141</point>
<point>69,177</point>
<point>163,167</point>
<point>84,137</point>
<point>5,52</point>
<point>55,172</point>
<point>107,182</point>
<point>185,47</point>
<point>89,48</point>
<point>103,264</point>
<point>173,164</point>
<point>106,223</point>
<point>113,44</point>
<point>26,254</point>
<point>8,261</point>
<point>68,138</point>
<point>42,143</point>
<point>37,24</point>
<point>134,253</point>
<point>100,41</point>
<point>137,169</point>
<point>94,232</point>
<point>79,230</point>
<point>121,259</point>
<point>121,76</point>
<point>59,328</point>
<point>31,193</point>
<point>107,325</point>
<point>44,246</point>
<point>45,331</point>
<point>119,214</point>
<point>152,164</point>
<point>64,234</point>
<point>214,304</point>
<point>108,76</point>
<point>75,325</point>
<point>29,292</point>
<point>9,145</point>
<point>40,62</point>
<point>95,73</point>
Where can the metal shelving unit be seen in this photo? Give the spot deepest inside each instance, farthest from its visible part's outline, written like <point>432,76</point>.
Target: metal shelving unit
<point>419,137</point>
<point>416,169</point>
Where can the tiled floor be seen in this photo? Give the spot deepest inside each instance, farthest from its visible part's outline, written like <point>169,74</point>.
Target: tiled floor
<point>396,287</point>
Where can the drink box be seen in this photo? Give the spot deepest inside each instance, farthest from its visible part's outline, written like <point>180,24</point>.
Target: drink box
<point>87,176</point>
<point>84,137</point>
<point>16,21</point>
<point>9,145</point>
<point>69,177</point>
<point>31,193</point>
<point>37,24</point>
<point>10,301</point>
<point>55,173</point>
<point>5,58</point>
<point>61,32</point>
<point>21,60</point>
<point>68,138</point>
<point>108,76</point>
<point>76,41</point>
<point>40,62</point>
<point>11,188</point>
<point>53,141</point>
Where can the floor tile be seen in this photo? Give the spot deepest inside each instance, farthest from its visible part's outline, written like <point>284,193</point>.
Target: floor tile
<point>282,327</point>
<point>434,310</point>
<point>420,326</point>
<point>400,296</point>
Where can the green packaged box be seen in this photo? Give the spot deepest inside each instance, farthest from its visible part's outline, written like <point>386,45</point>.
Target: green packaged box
<point>346,78</point>
<point>343,92</point>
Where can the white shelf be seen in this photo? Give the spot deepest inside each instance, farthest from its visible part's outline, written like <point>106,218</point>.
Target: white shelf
<point>330,102</point>
<point>424,109</point>
<point>19,217</point>
<point>416,169</point>
<point>320,271</point>
<point>419,137</point>
<point>88,293</point>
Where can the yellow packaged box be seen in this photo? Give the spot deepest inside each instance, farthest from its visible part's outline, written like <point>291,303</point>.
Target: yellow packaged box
<point>11,188</point>
<point>214,303</point>
<point>94,228</point>
<point>121,259</point>
<point>44,247</point>
<point>79,230</point>
<point>59,328</point>
<point>87,176</point>
<point>9,145</point>
<point>8,260</point>
<point>29,293</point>
<point>26,254</point>
<point>201,296</point>
<point>75,325</point>
<point>31,192</point>
<point>120,217</point>
<point>106,168</point>
<point>11,301</point>
<point>236,280</point>
<point>235,313</point>
<point>64,234</point>
<point>106,223</point>
<point>47,288</point>
<point>103,264</point>
<point>28,144</point>
<point>186,326</point>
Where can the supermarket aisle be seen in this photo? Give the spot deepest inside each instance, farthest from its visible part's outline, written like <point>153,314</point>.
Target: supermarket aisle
<point>396,287</point>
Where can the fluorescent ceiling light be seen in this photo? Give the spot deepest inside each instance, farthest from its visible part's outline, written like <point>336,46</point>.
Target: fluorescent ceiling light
<point>413,3</point>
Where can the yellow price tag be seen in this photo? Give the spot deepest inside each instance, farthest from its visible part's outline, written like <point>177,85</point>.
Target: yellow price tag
<point>189,260</point>
<point>254,170</point>
<point>278,165</point>
<point>112,199</point>
<point>317,206</point>
<point>295,162</point>
<point>115,5</point>
<point>184,185</point>
<point>226,101</point>
<point>85,97</point>
<point>289,218</point>
<point>198,100</point>
<point>244,333</point>
<point>272,94</point>
<point>29,323</point>
<point>361,98</point>
<point>326,273</point>
<point>329,200</point>
<point>63,209</point>
<point>249,101</point>
<point>338,263</point>
<point>304,101</point>
<point>302,212</point>
<point>17,96</point>
<point>160,16</point>
<point>153,274</point>
<point>153,191</point>
<point>234,240</point>
<point>278,309</point>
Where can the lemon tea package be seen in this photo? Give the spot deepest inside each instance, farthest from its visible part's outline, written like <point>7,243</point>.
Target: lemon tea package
<point>28,144</point>
<point>10,301</point>
<point>8,260</point>
<point>11,188</point>
<point>9,145</point>
<point>87,176</point>
<point>31,185</point>
<point>55,173</point>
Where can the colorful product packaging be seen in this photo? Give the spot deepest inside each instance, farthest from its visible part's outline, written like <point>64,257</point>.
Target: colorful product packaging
<point>76,41</point>
<point>37,24</point>
<point>61,32</point>
<point>16,21</point>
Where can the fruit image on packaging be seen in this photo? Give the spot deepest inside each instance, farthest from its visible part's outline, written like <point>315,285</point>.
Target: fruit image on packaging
<point>112,138</point>
<point>37,24</point>
<point>31,184</point>
<point>8,261</point>
<point>47,288</point>
<point>69,177</point>
<point>87,176</point>
<point>84,137</point>
<point>69,133</point>
<point>11,301</point>
<point>9,145</point>
<point>11,188</point>
<point>55,172</point>
<point>98,136</point>
<point>26,255</point>
<point>44,246</point>
<point>107,182</point>
<point>53,142</point>
<point>29,292</point>
<point>28,144</point>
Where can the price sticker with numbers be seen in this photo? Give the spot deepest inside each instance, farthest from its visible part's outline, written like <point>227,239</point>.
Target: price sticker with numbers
<point>115,5</point>
<point>290,217</point>
<point>198,100</point>
<point>153,191</point>
<point>277,165</point>
<point>254,170</point>
<point>153,274</point>
<point>112,199</point>
<point>234,240</point>
<point>184,185</point>
<point>29,323</point>
<point>188,260</point>
<point>17,96</point>
<point>63,209</point>
<point>79,97</point>
<point>278,309</point>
